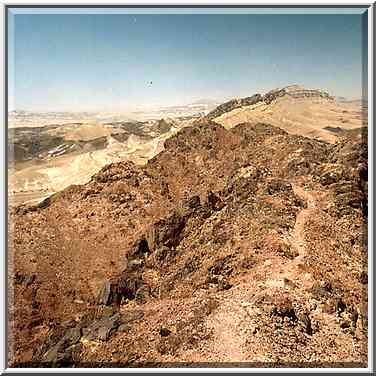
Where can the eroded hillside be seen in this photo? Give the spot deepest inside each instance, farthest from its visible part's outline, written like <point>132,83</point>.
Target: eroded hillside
<point>47,159</point>
<point>231,245</point>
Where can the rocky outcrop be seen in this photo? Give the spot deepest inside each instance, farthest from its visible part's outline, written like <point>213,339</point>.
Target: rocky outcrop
<point>215,223</point>
<point>163,126</point>
<point>124,287</point>
<point>232,104</point>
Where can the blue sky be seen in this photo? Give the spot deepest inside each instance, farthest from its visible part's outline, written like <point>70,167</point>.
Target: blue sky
<point>105,62</point>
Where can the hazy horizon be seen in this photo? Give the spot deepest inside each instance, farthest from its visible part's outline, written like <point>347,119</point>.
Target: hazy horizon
<point>125,62</point>
<point>144,108</point>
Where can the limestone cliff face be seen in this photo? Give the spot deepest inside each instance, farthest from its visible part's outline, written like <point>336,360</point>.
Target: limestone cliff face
<point>297,91</point>
<point>232,104</point>
<point>293,91</point>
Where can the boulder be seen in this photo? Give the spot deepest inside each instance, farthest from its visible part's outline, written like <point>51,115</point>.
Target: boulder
<point>306,323</point>
<point>122,287</point>
<point>123,328</point>
<point>164,332</point>
<point>331,173</point>
<point>105,293</point>
<point>102,329</point>
<point>72,336</point>
<point>279,186</point>
<point>62,353</point>
<point>284,308</point>
<point>214,202</point>
<point>142,294</point>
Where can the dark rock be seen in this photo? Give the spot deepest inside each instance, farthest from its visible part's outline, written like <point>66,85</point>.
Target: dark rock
<point>214,202</point>
<point>68,323</point>
<point>105,293</point>
<point>219,280</point>
<point>223,284</point>
<point>351,199</point>
<point>19,278</point>
<point>116,171</point>
<point>232,104</point>
<point>286,250</point>
<point>127,287</point>
<point>240,187</point>
<point>344,187</point>
<point>162,126</point>
<point>363,278</point>
<point>119,288</point>
<point>299,167</point>
<point>29,280</point>
<point>284,308</point>
<point>333,175</point>
<point>345,324</point>
<point>141,248</point>
<point>162,253</point>
<point>64,351</point>
<point>151,239</point>
<point>72,336</point>
<point>340,306</point>
<point>165,235</point>
<point>24,279</point>
<point>168,231</point>
<point>273,95</point>
<point>142,294</point>
<point>135,265</point>
<point>116,319</point>
<point>192,203</point>
<point>104,333</point>
<point>322,289</point>
<point>72,352</point>
<point>123,328</point>
<point>306,323</point>
<point>279,185</point>
<point>52,355</point>
<point>267,98</point>
<point>288,283</point>
<point>222,266</point>
<point>164,332</point>
<point>103,328</point>
<point>354,317</point>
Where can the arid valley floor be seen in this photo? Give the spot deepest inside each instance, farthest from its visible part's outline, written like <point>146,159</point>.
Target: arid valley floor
<point>234,237</point>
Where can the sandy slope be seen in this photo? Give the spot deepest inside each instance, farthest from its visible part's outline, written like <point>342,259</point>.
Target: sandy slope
<point>306,117</point>
<point>83,132</point>
<point>32,182</point>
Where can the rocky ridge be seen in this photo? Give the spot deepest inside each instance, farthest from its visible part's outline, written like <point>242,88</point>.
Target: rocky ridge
<point>241,245</point>
<point>293,91</point>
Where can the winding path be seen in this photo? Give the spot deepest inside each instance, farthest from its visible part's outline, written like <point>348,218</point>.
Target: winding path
<point>232,319</point>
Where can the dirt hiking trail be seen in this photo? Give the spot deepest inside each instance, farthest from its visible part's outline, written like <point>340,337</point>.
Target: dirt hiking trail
<point>235,320</point>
